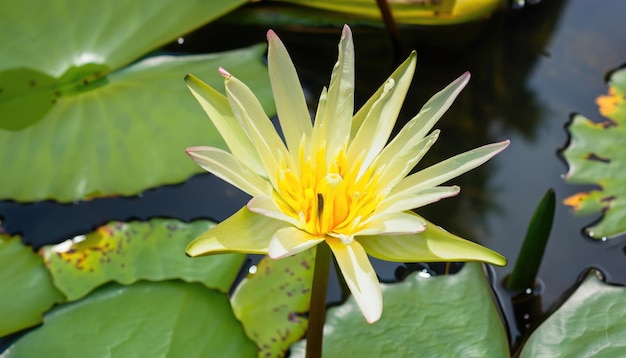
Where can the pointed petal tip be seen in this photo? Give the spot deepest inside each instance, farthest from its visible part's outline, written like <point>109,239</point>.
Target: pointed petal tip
<point>346,31</point>
<point>224,73</point>
<point>271,35</point>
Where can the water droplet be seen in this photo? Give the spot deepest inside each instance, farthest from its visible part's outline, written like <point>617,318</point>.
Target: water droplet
<point>529,291</point>
<point>424,274</point>
<point>604,238</point>
<point>181,40</point>
<point>252,269</point>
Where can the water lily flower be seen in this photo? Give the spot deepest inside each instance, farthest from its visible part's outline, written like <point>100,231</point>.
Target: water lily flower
<point>335,181</point>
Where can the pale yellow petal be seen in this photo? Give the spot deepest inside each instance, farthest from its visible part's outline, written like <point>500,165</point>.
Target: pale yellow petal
<point>401,155</point>
<point>257,126</point>
<point>446,170</point>
<point>218,109</point>
<point>244,232</point>
<point>360,277</point>
<point>389,223</point>
<point>293,113</point>
<point>411,201</point>
<point>228,168</point>
<point>375,129</point>
<point>339,107</point>
<point>437,105</point>
<point>290,241</point>
<point>431,245</point>
<point>265,205</point>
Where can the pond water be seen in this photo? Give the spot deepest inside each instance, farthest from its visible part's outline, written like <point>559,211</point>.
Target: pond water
<point>530,70</point>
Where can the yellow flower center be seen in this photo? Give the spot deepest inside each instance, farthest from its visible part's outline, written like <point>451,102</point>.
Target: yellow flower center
<point>328,197</point>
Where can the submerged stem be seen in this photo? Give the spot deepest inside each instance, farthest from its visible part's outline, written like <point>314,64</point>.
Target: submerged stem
<point>317,309</point>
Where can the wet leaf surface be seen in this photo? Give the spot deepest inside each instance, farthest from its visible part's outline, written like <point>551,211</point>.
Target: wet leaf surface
<point>591,323</point>
<point>272,303</point>
<point>128,252</point>
<point>147,319</point>
<point>26,289</point>
<point>452,316</point>
<point>596,155</point>
<point>84,126</point>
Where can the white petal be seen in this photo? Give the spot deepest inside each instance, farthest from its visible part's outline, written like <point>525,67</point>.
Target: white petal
<point>290,241</point>
<point>257,126</point>
<point>228,168</point>
<point>373,133</point>
<point>438,104</point>
<point>218,109</point>
<point>265,205</point>
<point>401,155</point>
<point>339,107</point>
<point>446,170</point>
<point>392,223</point>
<point>293,113</point>
<point>360,277</point>
<point>409,200</point>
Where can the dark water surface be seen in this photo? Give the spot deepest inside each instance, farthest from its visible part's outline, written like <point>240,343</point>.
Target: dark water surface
<point>530,70</point>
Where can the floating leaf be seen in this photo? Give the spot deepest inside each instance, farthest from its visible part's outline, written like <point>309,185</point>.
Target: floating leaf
<point>452,316</point>
<point>128,252</point>
<point>596,155</point>
<point>87,127</point>
<point>26,289</point>
<point>147,319</point>
<point>271,302</point>
<point>591,323</point>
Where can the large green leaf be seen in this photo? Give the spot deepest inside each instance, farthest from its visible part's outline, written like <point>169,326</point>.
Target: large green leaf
<point>124,136</point>
<point>591,323</point>
<point>54,36</point>
<point>128,252</point>
<point>26,289</point>
<point>75,124</point>
<point>271,302</point>
<point>596,155</point>
<point>164,319</point>
<point>443,316</point>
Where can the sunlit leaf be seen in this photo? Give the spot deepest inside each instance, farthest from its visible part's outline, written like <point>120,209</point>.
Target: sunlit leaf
<point>596,155</point>
<point>164,319</point>
<point>77,124</point>
<point>272,302</point>
<point>128,252</point>
<point>433,12</point>
<point>26,289</point>
<point>451,316</point>
<point>591,323</point>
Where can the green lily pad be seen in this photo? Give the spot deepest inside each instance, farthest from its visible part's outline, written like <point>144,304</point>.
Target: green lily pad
<point>596,155</point>
<point>76,124</point>
<point>79,37</point>
<point>128,252</point>
<point>26,289</point>
<point>271,302</point>
<point>147,319</point>
<point>451,316</point>
<point>591,323</point>
<point>123,137</point>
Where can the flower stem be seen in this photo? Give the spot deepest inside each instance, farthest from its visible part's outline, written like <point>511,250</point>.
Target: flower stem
<point>317,309</point>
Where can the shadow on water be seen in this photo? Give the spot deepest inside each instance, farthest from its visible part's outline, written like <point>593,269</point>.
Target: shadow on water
<point>517,60</point>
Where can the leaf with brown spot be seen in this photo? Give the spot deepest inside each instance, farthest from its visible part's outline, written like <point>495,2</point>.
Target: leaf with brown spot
<point>271,303</point>
<point>128,252</point>
<point>596,154</point>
